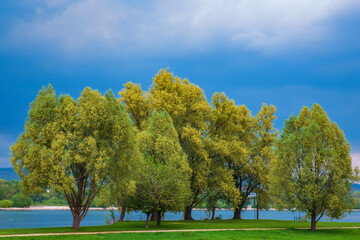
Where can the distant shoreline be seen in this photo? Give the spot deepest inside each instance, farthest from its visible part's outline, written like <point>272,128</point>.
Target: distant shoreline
<point>62,208</point>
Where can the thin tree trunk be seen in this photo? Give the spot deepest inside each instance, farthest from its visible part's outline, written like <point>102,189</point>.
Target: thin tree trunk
<point>237,213</point>
<point>154,216</point>
<point>147,220</point>
<point>159,218</point>
<point>122,214</point>
<point>313,222</point>
<point>187,213</point>
<point>213,213</point>
<point>76,221</point>
<point>257,210</point>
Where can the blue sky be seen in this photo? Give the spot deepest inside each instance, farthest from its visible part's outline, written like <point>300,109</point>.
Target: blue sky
<point>287,53</point>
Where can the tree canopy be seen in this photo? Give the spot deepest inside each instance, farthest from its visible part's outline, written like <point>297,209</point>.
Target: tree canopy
<point>312,171</point>
<point>163,184</point>
<point>73,146</point>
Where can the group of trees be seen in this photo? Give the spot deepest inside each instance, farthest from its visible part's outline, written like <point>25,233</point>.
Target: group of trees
<point>10,195</point>
<point>10,188</point>
<point>167,149</point>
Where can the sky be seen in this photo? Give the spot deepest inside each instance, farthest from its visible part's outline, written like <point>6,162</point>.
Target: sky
<point>287,53</point>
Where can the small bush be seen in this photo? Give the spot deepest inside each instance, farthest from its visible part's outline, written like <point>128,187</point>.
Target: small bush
<point>20,201</point>
<point>5,204</point>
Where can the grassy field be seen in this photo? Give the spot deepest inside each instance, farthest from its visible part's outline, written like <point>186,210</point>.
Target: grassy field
<point>205,224</point>
<point>292,234</point>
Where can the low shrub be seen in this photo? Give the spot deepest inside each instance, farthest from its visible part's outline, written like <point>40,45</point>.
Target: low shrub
<point>5,204</point>
<point>20,201</point>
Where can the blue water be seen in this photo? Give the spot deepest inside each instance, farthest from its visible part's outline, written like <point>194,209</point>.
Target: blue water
<point>62,218</point>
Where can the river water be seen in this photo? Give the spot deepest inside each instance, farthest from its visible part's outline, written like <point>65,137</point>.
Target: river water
<point>63,218</point>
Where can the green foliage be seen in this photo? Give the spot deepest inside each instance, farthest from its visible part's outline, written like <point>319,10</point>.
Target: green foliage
<point>73,146</point>
<point>110,220</point>
<point>9,188</point>
<point>312,171</point>
<point>356,196</point>
<point>49,198</point>
<point>187,105</point>
<point>137,104</point>
<point>6,204</point>
<point>20,200</point>
<point>227,149</point>
<point>163,183</point>
<point>160,189</point>
<point>244,145</point>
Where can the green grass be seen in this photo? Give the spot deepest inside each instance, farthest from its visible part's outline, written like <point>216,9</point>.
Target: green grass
<point>204,224</point>
<point>221,235</point>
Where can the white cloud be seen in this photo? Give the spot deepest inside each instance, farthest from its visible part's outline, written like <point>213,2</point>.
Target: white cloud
<point>355,159</point>
<point>177,26</point>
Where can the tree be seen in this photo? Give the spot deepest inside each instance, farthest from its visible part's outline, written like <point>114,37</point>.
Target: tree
<point>121,190</point>
<point>137,103</point>
<point>190,112</point>
<point>262,198</point>
<point>312,171</point>
<point>223,146</point>
<point>254,174</point>
<point>5,203</point>
<point>163,184</point>
<point>242,143</point>
<point>73,146</point>
<point>19,200</point>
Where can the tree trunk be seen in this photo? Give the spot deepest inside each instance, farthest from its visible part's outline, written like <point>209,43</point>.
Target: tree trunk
<point>213,213</point>
<point>154,216</point>
<point>187,213</point>
<point>147,220</point>
<point>237,213</point>
<point>257,210</point>
<point>122,214</point>
<point>313,222</point>
<point>158,223</point>
<point>76,221</point>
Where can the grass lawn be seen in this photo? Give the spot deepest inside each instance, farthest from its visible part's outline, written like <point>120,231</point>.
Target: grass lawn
<point>292,234</point>
<point>204,224</point>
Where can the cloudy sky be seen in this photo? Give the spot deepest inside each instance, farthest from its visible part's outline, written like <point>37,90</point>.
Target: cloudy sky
<point>287,53</point>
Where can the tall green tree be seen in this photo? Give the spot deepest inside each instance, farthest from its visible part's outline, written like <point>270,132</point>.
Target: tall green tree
<point>224,146</point>
<point>187,105</point>
<point>260,140</point>
<point>312,171</point>
<point>243,143</point>
<point>73,146</point>
<point>163,184</point>
<point>137,103</point>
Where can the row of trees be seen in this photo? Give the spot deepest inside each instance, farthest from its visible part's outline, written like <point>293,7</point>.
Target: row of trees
<point>10,195</point>
<point>167,148</point>
<point>11,190</point>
